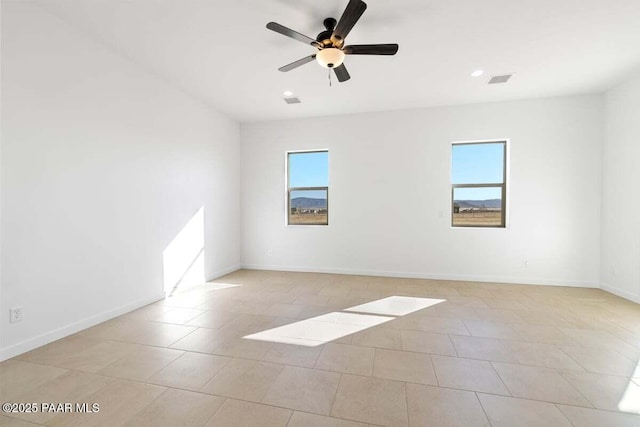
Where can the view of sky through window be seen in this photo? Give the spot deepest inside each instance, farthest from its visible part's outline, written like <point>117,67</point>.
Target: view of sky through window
<point>309,170</point>
<point>477,164</point>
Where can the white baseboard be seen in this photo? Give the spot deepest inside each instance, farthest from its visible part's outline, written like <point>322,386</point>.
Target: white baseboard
<point>432,276</point>
<point>56,334</point>
<point>619,292</point>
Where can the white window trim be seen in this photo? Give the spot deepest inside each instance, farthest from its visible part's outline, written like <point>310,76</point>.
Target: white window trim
<point>507,182</point>
<point>286,189</point>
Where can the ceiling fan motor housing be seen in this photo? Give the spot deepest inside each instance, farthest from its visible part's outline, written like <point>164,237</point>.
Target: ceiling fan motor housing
<point>324,37</point>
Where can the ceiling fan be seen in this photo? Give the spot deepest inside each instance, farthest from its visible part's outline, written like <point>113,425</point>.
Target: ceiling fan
<point>330,43</point>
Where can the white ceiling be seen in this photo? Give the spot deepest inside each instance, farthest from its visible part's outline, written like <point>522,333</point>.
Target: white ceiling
<point>221,52</point>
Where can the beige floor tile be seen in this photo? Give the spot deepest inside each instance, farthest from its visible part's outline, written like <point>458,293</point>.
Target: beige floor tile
<point>72,386</point>
<point>436,406</point>
<point>379,338</point>
<point>148,311</point>
<point>251,323</point>
<point>18,378</point>
<point>543,334</point>
<point>468,374</point>
<point>586,417</point>
<point>58,351</point>
<point>304,389</point>
<point>601,361</point>
<point>212,319</point>
<point>427,342</point>
<point>162,334</point>
<point>243,379</point>
<point>284,310</point>
<point>487,329</point>
<point>310,311</point>
<point>242,347</point>
<point>141,363</point>
<point>178,408</point>
<point>608,392</point>
<point>190,371</point>
<point>97,357</point>
<point>602,339</point>
<point>510,412</point>
<point>441,325</point>
<point>177,316</point>
<point>245,414</point>
<point>119,401</point>
<point>187,299</point>
<point>371,400</point>
<point>538,383</point>
<point>491,315</point>
<point>404,366</point>
<point>303,419</point>
<point>119,329</point>
<point>547,355</point>
<point>203,340</point>
<point>290,354</point>
<point>14,422</point>
<point>483,348</point>
<point>345,358</point>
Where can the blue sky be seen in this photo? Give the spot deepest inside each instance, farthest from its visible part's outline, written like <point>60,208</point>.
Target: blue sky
<point>477,164</point>
<point>309,170</point>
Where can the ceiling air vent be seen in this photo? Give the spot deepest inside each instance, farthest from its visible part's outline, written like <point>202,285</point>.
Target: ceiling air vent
<point>499,79</point>
<point>292,100</point>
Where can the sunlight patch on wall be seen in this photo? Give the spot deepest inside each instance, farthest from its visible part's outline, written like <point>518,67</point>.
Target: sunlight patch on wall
<point>183,259</point>
<point>395,305</point>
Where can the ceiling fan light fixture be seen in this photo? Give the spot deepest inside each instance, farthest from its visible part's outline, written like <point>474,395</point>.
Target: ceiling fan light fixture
<point>330,57</point>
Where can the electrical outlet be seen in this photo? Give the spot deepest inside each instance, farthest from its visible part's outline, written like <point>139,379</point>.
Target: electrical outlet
<point>15,314</point>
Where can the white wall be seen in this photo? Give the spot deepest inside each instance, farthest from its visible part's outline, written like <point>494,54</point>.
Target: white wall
<point>389,196</point>
<point>103,164</point>
<point>621,191</point>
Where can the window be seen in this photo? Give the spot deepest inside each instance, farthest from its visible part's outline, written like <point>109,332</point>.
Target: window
<point>478,184</point>
<point>308,188</point>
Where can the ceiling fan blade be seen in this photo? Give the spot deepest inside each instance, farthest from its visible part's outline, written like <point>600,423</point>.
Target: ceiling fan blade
<point>297,63</point>
<point>350,16</point>
<point>341,73</point>
<point>371,49</point>
<point>274,26</point>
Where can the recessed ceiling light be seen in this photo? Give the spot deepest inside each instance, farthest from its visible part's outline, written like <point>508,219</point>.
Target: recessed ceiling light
<point>477,73</point>
<point>287,93</point>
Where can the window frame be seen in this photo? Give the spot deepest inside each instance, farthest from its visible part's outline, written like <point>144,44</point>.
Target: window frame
<point>289,189</point>
<point>502,186</point>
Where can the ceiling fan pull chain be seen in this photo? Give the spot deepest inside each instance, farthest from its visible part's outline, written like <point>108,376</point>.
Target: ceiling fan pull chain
<point>329,76</point>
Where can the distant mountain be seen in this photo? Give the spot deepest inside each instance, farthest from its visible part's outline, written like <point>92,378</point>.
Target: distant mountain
<point>476,204</point>
<point>308,203</point>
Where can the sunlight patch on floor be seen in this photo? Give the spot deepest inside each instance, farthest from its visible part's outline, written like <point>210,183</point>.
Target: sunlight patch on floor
<point>218,286</point>
<point>630,401</point>
<point>332,326</point>
<point>395,305</point>
<point>319,330</point>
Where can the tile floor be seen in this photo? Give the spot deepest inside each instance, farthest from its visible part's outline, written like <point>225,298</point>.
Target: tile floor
<point>258,348</point>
